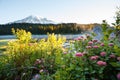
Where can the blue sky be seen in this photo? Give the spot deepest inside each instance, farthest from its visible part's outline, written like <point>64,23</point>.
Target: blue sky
<point>79,11</point>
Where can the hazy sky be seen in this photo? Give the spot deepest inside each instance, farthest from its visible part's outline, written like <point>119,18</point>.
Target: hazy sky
<point>79,11</point>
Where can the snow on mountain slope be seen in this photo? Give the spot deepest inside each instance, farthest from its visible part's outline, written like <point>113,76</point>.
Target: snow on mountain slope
<point>35,19</point>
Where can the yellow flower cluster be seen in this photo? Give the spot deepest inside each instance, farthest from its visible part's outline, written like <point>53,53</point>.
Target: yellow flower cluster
<point>21,49</point>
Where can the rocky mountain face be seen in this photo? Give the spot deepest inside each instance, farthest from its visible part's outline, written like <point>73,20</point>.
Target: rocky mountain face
<point>98,31</point>
<point>99,34</point>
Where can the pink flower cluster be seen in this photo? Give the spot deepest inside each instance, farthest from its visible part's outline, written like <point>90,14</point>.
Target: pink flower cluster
<point>76,39</point>
<point>95,40</point>
<point>101,63</point>
<point>102,44</point>
<point>88,47</point>
<point>118,58</point>
<point>112,56</point>
<point>103,54</point>
<point>79,54</point>
<point>118,76</point>
<point>79,38</point>
<point>95,46</point>
<point>94,57</point>
<point>111,44</point>
<point>90,43</point>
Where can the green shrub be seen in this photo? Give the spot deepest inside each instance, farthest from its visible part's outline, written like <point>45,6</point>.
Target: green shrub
<point>22,56</point>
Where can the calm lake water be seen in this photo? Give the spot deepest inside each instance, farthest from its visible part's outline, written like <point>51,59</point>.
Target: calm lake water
<point>68,36</point>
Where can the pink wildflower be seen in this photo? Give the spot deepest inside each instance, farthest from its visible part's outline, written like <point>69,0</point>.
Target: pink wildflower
<point>95,47</point>
<point>103,53</point>
<point>111,44</point>
<point>118,58</point>
<point>81,36</point>
<point>102,44</point>
<point>97,57</point>
<point>112,56</point>
<point>90,42</point>
<point>101,63</point>
<point>79,54</point>
<point>118,76</point>
<point>95,40</point>
<point>76,39</point>
<point>37,77</point>
<point>64,52</point>
<point>94,57</point>
<point>88,47</point>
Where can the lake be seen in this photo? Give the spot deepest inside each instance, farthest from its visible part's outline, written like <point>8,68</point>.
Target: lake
<point>68,36</point>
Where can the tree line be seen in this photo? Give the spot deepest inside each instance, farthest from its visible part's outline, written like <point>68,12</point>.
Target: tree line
<point>63,28</point>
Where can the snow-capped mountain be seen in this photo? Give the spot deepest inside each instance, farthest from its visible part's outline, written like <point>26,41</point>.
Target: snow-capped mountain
<point>35,19</point>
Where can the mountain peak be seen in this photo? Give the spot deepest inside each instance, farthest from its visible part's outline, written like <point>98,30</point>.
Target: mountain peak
<point>35,19</point>
<point>33,16</point>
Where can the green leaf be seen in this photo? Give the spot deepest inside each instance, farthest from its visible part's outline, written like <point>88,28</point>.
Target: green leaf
<point>77,68</point>
<point>93,72</point>
<point>77,75</point>
<point>110,31</point>
<point>115,64</point>
<point>117,50</point>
